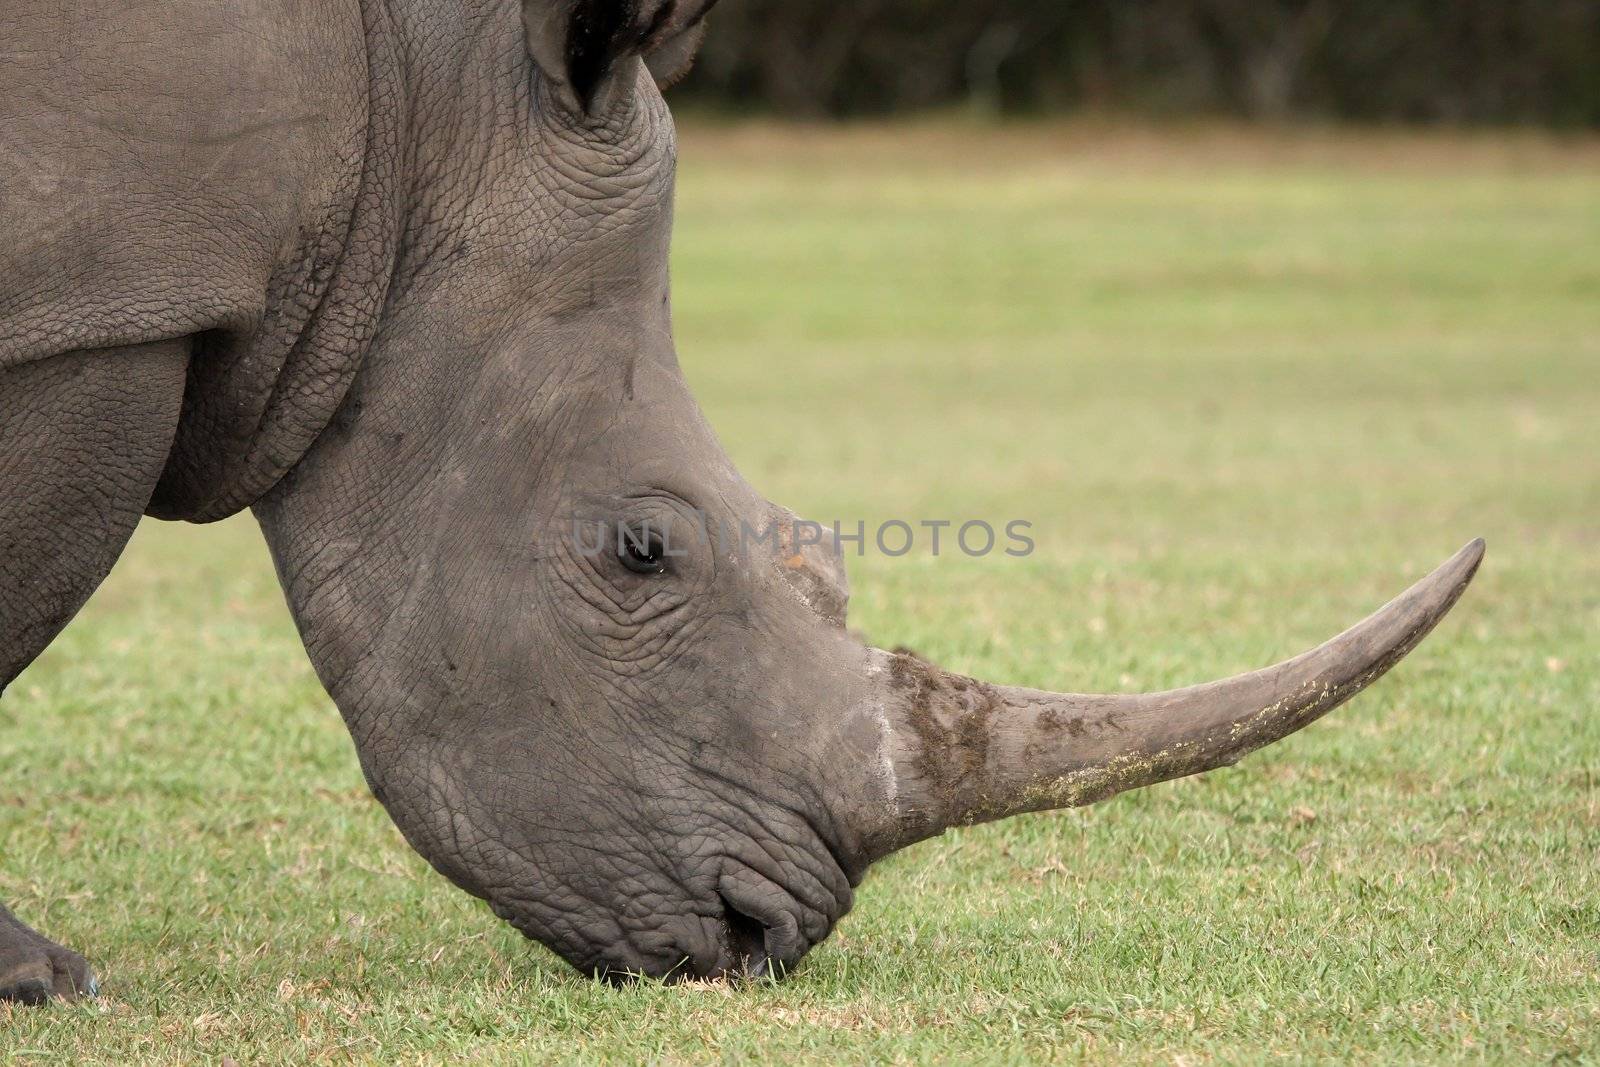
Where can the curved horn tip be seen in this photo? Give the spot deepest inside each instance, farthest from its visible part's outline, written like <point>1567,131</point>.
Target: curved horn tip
<point>1469,557</point>
<point>1449,580</point>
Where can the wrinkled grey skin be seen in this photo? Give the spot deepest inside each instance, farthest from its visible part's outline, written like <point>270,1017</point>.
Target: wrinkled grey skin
<point>393,273</point>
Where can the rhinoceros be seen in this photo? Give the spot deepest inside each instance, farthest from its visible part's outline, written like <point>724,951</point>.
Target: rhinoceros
<point>392,274</point>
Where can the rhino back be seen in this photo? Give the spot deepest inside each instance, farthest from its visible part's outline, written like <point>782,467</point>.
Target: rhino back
<point>174,168</point>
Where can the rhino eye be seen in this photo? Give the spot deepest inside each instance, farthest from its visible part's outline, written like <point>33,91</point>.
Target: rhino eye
<point>643,551</point>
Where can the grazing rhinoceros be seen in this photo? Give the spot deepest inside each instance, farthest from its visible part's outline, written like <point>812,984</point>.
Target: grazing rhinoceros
<point>393,274</point>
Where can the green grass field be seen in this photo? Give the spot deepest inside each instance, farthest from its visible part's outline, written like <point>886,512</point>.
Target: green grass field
<point>1245,386</point>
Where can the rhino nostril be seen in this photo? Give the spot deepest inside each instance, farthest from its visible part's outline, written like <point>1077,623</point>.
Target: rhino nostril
<point>747,942</point>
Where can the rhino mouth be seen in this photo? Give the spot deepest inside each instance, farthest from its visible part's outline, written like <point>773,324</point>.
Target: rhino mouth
<point>745,950</point>
<point>747,928</point>
<point>744,947</point>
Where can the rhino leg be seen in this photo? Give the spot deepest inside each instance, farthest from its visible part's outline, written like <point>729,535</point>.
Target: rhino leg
<point>34,969</point>
<point>83,439</point>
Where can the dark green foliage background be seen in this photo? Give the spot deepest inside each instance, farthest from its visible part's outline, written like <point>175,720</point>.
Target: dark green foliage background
<point>1455,61</point>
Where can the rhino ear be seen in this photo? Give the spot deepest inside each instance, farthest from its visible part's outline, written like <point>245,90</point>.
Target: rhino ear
<point>670,61</point>
<point>580,44</point>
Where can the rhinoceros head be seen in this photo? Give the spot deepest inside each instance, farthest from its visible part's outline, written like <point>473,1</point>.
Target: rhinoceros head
<point>596,678</point>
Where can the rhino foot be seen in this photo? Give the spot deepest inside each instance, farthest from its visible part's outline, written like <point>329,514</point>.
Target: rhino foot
<point>34,969</point>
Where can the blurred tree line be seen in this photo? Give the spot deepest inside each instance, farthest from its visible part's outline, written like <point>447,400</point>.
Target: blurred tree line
<point>1489,61</point>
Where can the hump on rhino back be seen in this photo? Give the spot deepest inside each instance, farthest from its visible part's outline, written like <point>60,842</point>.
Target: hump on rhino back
<point>182,168</point>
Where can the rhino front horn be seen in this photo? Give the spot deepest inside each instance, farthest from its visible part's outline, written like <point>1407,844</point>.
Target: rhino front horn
<point>959,751</point>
